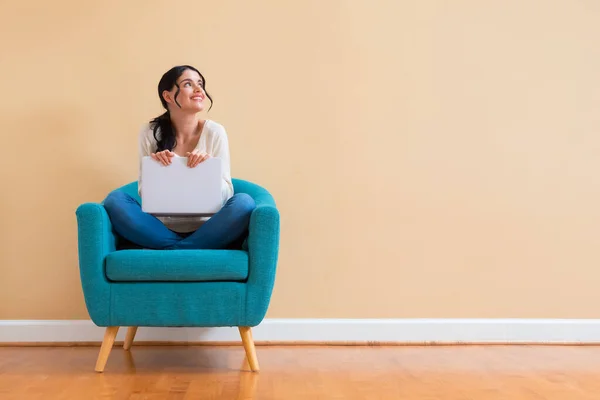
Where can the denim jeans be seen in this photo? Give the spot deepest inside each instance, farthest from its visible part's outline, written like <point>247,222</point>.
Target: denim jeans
<point>225,228</point>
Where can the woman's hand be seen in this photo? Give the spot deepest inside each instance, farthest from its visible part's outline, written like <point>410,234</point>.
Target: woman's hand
<point>163,157</point>
<point>196,157</point>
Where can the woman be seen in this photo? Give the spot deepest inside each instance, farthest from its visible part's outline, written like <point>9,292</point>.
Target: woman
<point>179,132</point>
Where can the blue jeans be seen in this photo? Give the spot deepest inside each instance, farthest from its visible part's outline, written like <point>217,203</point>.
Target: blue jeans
<point>222,230</point>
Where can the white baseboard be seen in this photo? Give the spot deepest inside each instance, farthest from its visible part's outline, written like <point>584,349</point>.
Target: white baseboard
<point>368,331</point>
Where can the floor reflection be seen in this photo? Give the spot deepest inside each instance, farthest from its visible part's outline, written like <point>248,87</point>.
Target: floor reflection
<point>247,381</point>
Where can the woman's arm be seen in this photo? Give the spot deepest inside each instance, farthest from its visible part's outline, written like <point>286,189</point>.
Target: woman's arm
<point>144,149</point>
<point>221,150</point>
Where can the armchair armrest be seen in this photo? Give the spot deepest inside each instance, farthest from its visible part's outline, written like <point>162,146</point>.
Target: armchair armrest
<point>263,251</point>
<point>95,241</point>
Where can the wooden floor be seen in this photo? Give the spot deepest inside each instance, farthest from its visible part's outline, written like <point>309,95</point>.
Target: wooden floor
<point>303,372</point>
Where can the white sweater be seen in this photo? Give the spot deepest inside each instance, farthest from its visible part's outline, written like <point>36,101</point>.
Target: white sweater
<point>213,141</point>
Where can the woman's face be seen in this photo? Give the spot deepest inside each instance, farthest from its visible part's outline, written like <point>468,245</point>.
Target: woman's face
<point>191,93</point>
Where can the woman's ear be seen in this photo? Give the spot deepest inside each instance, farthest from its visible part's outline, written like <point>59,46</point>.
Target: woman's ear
<point>167,96</point>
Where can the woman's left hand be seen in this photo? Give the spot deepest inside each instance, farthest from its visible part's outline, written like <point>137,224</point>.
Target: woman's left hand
<point>196,157</point>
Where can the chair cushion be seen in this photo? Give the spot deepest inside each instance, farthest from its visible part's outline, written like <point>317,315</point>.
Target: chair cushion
<point>177,265</point>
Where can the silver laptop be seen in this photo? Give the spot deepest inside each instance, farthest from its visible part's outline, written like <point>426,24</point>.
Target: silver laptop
<point>177,189</point>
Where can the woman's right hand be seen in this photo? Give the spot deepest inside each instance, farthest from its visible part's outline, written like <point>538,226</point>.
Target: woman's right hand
<point>163,157</point>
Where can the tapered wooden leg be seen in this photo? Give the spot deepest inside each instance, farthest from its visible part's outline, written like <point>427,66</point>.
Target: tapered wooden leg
<point>129,338</point>
<point>246,334</point>
<point>109,339</point>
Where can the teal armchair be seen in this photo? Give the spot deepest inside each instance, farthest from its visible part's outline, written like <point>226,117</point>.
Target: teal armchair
<point>177,288</point>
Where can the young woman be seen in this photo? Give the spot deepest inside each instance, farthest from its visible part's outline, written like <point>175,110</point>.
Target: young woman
<point>179,132</point>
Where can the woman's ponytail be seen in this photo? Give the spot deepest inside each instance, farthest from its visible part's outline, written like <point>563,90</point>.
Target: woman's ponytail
<point>163,132</point>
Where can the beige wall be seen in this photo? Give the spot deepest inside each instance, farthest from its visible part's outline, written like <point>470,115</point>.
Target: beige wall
<point>428,157</point>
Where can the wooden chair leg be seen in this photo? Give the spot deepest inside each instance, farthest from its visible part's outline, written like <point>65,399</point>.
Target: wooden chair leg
<point>109,339</point>
<point>248,341</point>
<point>129,338</point>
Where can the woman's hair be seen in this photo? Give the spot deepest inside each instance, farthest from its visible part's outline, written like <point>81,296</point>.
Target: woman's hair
<point>167,141</point>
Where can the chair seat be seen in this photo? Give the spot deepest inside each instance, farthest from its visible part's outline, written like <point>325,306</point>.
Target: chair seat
<point>177,265</point>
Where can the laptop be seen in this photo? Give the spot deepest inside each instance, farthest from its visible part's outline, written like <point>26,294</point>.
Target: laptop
<point>179,190</point>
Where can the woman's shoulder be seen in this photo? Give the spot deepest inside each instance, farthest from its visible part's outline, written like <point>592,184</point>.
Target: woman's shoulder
<point>146,132</point>
<point>214,129</point>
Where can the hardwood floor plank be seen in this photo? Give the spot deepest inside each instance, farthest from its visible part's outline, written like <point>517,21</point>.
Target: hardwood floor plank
<point>303,372</point>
